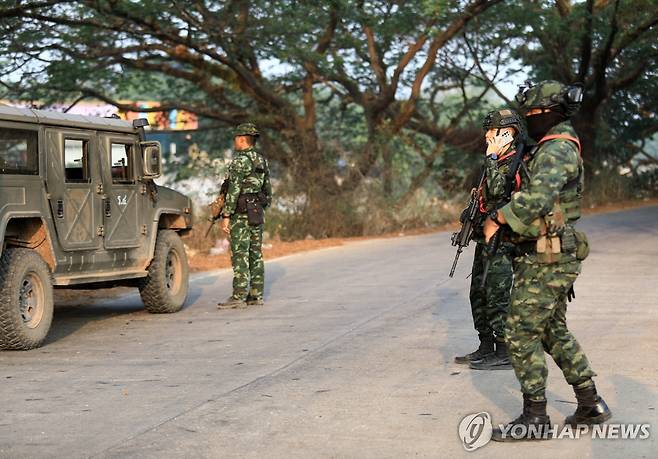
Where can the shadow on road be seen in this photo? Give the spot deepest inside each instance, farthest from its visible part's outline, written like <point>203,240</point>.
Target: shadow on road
<point>273,273</point>
<point>70,318</point>
<point>499,387</point>
<point>75,309</point>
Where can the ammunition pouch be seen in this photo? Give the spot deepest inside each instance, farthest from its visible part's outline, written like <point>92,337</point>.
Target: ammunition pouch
<point>582,245</point>
<point>551,248</point>
<point>250,204</point>
<point>262,198</point>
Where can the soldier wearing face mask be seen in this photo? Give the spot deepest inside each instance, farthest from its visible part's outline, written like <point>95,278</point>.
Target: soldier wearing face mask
<point>504,133</point>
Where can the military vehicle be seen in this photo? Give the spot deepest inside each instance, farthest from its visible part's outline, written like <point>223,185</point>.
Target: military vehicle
<point>79,209</point>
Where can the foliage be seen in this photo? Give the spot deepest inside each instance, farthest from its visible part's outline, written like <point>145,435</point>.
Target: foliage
<point>360,103</point>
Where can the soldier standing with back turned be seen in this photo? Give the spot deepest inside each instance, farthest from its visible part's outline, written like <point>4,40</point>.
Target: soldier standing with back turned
<point>249,193</point>
<point>548,257</point>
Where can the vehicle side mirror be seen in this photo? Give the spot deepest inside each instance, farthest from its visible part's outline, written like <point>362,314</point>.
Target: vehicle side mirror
<point>152,159</point>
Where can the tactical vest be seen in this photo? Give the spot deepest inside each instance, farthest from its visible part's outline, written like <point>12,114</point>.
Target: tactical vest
<point>503,161</point>
<point>571,193</point>
<point>556,232</point>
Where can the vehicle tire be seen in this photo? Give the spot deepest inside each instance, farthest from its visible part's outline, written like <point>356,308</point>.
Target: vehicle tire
<point>26,299</point>
<point>165,288</point>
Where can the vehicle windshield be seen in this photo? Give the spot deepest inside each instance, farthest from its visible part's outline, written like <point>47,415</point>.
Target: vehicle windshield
<point>18,151</point>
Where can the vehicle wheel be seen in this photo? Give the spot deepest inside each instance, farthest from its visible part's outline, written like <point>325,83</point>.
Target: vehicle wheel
<point>26,299</point>
<point>165,288</point>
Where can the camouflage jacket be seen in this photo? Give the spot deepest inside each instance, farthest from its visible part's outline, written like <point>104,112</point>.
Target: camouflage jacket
<point>249,172</point>
<point>493,191</point>
<point>552,167</point>
<point>497,171</point>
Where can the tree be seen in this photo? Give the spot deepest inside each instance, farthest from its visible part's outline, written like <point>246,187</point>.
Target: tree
<point>609,45</point>
<point>280,63</point>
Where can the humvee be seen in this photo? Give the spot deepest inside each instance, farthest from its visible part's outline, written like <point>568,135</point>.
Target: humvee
<point>79,209</point>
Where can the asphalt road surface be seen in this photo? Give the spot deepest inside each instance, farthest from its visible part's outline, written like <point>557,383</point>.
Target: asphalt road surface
<point>351,357</point>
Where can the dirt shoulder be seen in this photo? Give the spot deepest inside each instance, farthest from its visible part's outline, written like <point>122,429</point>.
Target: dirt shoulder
<point>272,249</point>
<point>275,249</point>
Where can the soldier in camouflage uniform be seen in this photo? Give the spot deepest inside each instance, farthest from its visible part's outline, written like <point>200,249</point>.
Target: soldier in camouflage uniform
<point>548,256</point>
<point>249,193</point>
<point>489,303</point>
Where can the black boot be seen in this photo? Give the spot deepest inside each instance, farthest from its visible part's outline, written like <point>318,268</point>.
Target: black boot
<point>499,360</point>
<point>486,348</point>
<point>533,424</point>
<point>592,409</point>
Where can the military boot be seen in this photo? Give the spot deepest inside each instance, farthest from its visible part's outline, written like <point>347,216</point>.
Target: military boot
<point>533,424</point>
<point>232,303</point>
<point>255,301</point>
<point>486,348</point>
<point>499,360</point>
<point>591,409</point>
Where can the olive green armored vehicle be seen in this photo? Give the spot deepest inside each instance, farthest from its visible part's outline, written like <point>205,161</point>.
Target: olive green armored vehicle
<point>79,209</point>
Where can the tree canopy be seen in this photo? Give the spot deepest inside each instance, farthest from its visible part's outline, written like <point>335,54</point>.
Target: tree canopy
<point>347,92</point>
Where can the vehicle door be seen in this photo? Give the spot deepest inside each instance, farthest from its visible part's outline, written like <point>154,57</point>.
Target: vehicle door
<point>122,190</point>
<point>73,182</point>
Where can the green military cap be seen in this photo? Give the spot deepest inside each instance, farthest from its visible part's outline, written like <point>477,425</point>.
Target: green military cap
<point>246,129</point>
<point>550,94</point>
<point>505,117</point>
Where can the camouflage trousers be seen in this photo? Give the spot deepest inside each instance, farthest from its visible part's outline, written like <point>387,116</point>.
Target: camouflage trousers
<point>489,304</point>
<point>537,323</point>
<point>247,258</point>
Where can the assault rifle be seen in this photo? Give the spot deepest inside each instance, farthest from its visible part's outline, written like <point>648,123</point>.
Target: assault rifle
<point>469,220</point>
<point>217,206</point>
<point>491,248</point>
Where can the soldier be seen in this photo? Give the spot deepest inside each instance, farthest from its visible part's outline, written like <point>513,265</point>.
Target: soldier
<point>249,193</point>
<point>504,132</point>
<point>548,256</point>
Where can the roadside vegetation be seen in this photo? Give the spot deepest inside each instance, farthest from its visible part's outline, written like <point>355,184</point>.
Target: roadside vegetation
<point>370,111</point>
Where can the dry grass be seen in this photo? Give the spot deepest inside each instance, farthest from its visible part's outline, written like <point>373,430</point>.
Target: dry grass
<point>273,249</point>
<point>200,261</point>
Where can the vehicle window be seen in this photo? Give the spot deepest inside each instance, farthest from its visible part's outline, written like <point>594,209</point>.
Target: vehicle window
<point>122,163</point>
<point>76,163</point>
<point>18,152</point>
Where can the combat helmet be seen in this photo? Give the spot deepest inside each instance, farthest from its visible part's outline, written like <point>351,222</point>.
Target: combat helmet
<point>506,117</point>
<point>550,94</point>
<point>246,129</point>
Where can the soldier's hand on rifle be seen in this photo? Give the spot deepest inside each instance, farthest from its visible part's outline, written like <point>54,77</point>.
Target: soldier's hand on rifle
<point>225,224</point>
<point>491,227</point>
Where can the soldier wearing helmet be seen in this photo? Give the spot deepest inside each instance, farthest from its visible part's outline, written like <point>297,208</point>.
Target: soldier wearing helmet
<point>504,132</point>
<point>249,193</point>
<point>548,254</point>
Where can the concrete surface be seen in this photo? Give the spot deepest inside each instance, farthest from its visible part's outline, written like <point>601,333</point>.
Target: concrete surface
<point>351,357</point>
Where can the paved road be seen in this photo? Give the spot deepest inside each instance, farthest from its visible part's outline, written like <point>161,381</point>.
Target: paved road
<point>351,357</point>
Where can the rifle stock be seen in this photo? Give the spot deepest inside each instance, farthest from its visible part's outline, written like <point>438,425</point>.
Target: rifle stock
<point>217,206</point>
<point>212,223</point>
